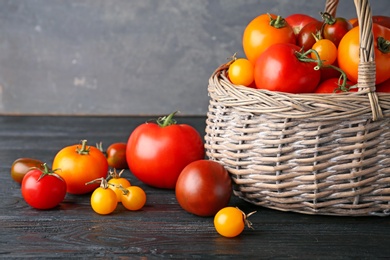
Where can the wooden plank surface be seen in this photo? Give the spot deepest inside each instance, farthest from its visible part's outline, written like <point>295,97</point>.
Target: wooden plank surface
<point>162,228</point>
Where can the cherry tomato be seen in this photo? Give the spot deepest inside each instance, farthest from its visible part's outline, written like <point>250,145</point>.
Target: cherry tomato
<point>157,152</point>
<point>21,166</point>
<point>203,188</point>
<point>348,53</point>
<point>241,72</point>
<point>298,21</point>
<point>231,221</point>
<point>103,199</point>
<point>116,182</point>
<point>308,35</point>
<point>133,198</point>
<point>116,156</point>
<point>327,51</point>
<point>264,31</point>
<point>43,189</point>
<point>279,69</point>
<point>78,164</point>
<point>335,28</point>
<point>335,85</point>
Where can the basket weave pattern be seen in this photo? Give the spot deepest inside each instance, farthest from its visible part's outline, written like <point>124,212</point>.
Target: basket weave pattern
<point>323,154</point>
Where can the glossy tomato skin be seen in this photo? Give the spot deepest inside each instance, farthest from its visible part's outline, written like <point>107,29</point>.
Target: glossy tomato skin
<point>259,35</point>
<point>348,54</point>
<point>116,156</point>
<point>21,166</point>
<point>331,85</point>
<point>203,188</point>
<point>298,21</point>
<point>44,193</point>
<point>305,38</point>
<point>77,169</point>
<point>384,87</point>
<point>278,69</point>
<point>336,31</point>
<point>157,154</point>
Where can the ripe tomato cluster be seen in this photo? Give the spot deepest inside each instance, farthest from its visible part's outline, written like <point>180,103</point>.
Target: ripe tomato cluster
<point>302,54</point>
<point>162,154</point>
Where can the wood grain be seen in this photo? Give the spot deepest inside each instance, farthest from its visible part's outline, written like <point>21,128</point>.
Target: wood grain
<point>161,228</point>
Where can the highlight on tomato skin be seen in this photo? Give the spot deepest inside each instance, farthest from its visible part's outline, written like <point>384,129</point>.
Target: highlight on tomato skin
<point>231,221</point>
<point>21,166</point>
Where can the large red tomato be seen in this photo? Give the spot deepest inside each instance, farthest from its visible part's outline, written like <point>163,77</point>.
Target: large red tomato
<point>280,69</point>
<point>264,31</point>
<point>298,21</point>
<point>157,152</point>
<point>203,188</point>
<point>79,164</point>
<point>348,53</point>
<point>43,189</point>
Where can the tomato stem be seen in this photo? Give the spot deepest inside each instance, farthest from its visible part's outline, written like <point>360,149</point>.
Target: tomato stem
<point>278,23</point>
<point>84,150</point>
<point>167,120</point>
<point>383,45</point>
<point>304,58</point>
<point>103,182</point>
<point>328,18</point>
<point>46,171</point>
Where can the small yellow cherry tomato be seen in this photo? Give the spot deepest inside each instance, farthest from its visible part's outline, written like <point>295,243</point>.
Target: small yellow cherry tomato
<point>231,221</point>
<point>327,51</point>
<point>133,198</point>
<point>103,201</point>
<point>116,181</point>
<point>241,72</point>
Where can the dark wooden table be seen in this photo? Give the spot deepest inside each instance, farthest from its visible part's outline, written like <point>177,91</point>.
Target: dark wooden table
<point>162,228</point>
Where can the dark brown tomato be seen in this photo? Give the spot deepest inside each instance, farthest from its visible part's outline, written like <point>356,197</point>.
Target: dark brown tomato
<point>21,166</point>
<point>306,37</point>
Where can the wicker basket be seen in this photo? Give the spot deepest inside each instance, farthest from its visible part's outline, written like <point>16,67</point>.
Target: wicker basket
<point>326,154</point>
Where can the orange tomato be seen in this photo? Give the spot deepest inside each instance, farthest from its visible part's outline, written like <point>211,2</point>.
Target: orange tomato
<point>264,31</point>
<point>79,164</point>
<point>327,51</point>
<point>348,54</point>
<point>241,72</point>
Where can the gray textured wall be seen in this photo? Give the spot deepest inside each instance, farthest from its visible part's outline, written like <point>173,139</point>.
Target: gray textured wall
<point>125,56</point>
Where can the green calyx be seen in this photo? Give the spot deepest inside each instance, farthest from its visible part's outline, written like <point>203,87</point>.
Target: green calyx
<point>47,171</point>
<point>167,120</point>
<point>328,18</point>
<point>84,148</point>
<point>278,23</point>
<point>383,45</point>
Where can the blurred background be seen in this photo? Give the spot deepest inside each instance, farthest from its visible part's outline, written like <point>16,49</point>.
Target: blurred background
<point>126,57</point>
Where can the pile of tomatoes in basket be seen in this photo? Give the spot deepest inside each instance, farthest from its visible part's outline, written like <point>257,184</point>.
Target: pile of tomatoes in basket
<point>303,54</point>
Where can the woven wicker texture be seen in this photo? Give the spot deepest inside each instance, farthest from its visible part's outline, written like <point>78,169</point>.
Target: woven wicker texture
<point>323,154</point>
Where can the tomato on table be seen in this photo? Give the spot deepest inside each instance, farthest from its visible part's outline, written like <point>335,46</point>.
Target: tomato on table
<point>21,166</point>
<point>103,199</point>
<point>203,188</point>
<point>116,156</point>
<point>158,151</point>
<point>264,31</point>
<point>79,164</point>
<point>116,182</point>
<point>133,198</point>
<point>231,221</point>
<point>281,68</point>
<point>43,189</point>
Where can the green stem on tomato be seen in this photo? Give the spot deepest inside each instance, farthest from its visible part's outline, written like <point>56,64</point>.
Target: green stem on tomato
<point>167,120</point>
<point>304,58</point>
<point>328,18</point>
<point>383,45</point>
<point>84,148</point>
<point>278,23</point>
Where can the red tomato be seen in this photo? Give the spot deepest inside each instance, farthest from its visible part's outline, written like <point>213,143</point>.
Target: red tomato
<point>334,85</point>
<point>264,31</point>
<point>203,188</point>
<point>279,69</point>
<point>157,152</point>
<point>116,156</point>
<point>384,86</point>
<point>329,72</point>
<point>43,189</point>
<point>335,28</point>
<point>307,36</point>
<point>79,164</point>
<point>298,21</point>
<point>378,19</point>
<point>348,53</point>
